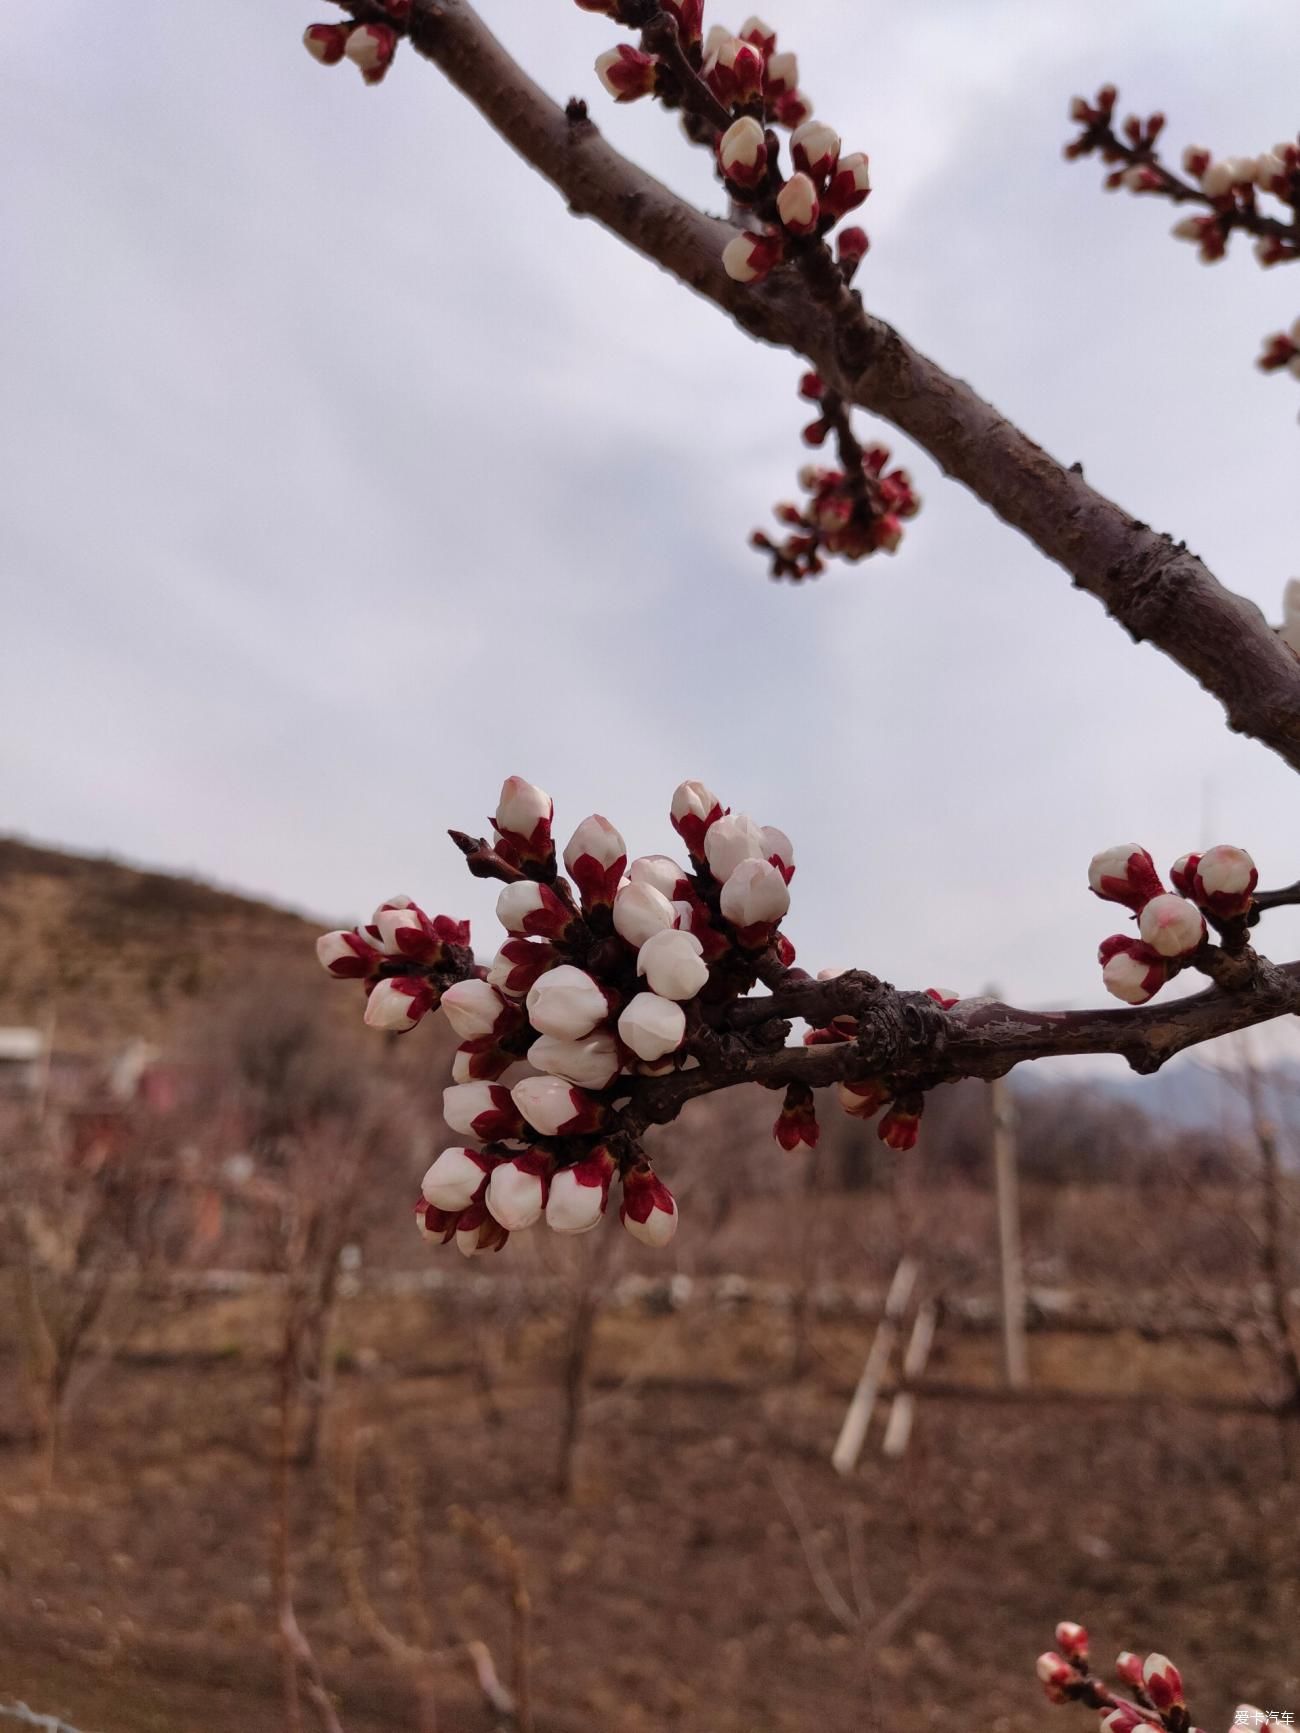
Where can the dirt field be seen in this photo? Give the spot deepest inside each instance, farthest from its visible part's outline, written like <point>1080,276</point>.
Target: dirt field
<point>708,1572</point>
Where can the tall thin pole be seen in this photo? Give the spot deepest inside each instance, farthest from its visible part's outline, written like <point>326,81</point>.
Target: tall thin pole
<point>1014,1347</point>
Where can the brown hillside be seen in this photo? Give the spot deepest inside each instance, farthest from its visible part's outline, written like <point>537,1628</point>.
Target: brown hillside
<point>115,952</point>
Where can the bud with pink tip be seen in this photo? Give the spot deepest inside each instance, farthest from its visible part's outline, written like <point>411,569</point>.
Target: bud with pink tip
<point>694,809</point>
<point>1172,925</point>
<point>591,1062</point>
<point>626,72</point>
<point>1128,1669</point>
<point>648,1210</point>
<point>1162,1682</point>
<point>651,1026</point>
<point>1057,1675</point>
<point>518,964</point>
<point>640,911</point>
<point>594,859</point>
<point>1223,881</point>
<point>370,48</point>
<point>516,1192</point>
<point>474,1009</point>
<point>815,149</point>
<point>735,72</point>
<point>555,1108</point>
<point>397,1003</point>
<point>479,1231</point>
<point>523,820</point>
<point>1072,1640</point>
<point>797,205</point>
<point>660,872</point>
<point>1124,874</point>
<point>673,964</point>
<point>742,152</point>
<point>781,77</point>
<point>346,955</point>
<point>1131,970</point>
<point>901,1127</point>
<point>566,1002</point>
<point>848,185</point>
<point>456,1178</point>
<point>731,840</point>
<point>754,898</point>
<point>864,1097</point>
<point>531,910</point>
<point>326,42</point>
<point>483,1110</point>
<point>749,257</point>
<point>579,1194</point>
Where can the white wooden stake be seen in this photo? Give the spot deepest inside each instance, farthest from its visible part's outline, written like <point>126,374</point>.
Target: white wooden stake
<point>1015,1350</point>
<point>898,1428</point>
<point>853,1433</point>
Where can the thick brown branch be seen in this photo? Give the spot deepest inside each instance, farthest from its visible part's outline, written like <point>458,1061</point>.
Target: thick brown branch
<point>1156,588</point>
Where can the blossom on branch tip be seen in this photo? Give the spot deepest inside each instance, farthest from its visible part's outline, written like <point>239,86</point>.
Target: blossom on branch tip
<point>734,71</point>
<point>673,965</point>
<point>1124,874</point>
<point>694,809</point>
<point>754,898</point>
<point>370,48</point>
<point>648,1210</point>
<point>797,205</point>
<point>1056,1675</point>
<point>516,1190</point>
<point>480,1060</point>
<point>815,149</point>
<point>864,1097</point>
<point>590,1061</point>
<point>742,152</point>
<point>758,34</point>
<point>456,1178</point>
<point>1131,970</point>
<point>531,910</point>
<point>523,821</point>
<point>780,851</point>
<point>797,1121</point>
<point>733,839</point>
<point>594,858</point>
<point>652,1026</point>
<point>566,1002</point>
<point>848,186</point>
<point>475,1009</point>
<point>640,911</point>
<point>518,964</point>
<point>398,1002</point>
<point>780,77</point>
<point>1172,926</point>
<point>749,257</point>
<point>661,873</point>
<point>346,955</point>
<point>901,1127</point>
<point>1221,881</point>
<point>326,42</point>
<point>555,1108</point>
<point>626,72</point>
<point>1162,1682</point>
<point>479,1231</point>
<point>1128,1669</point>
<point>851,246</point>
<point>481,1109</point>
<point>578,1194</point>
<point>1072,1640</point>
<point>689,17</point>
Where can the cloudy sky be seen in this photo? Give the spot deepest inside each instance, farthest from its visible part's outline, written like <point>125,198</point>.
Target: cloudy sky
<point>345,474</point>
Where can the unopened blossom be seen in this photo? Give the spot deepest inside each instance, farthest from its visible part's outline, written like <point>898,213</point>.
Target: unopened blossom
<point>780,850</point>
<point>944,997</point>
<point>479,1231</point>
<point>325,42</point>
<point>1131,970</point>
<point>456,1178</point>
<point>648,1210</point>
<point>346,955</point>
<point>689,15</point>
<point>849,184</point>
<point>758,34</point>
<point>594,859</point>
<point>516,1191</point>
<point>1126,1717</point>
<point>797,1121</point>
<point>533,910</point>
<point>901,1126</point>
<point>781,77</point>
<point>659,871</point>
<point>797,205</point>
<point>640,911</point>
<point>590,1061</point>
<point>408,932</point>
<point>579,1194</point>
<point>626,72</point>
<point>652,1026</point>
<point>749,257</point>
<point>1072,1640</point>
<point>1162,1682</point>
<point>1172,925</point>
<point>735,72</point>
<point>815,149</point>
<point>434,1223</point>
<point>1128,1669</point>
<point>476,1009</point>
<point>518,964</point>
<point>566,1002</point>
<point>742,152</point>
<point>1124,874</point>
<point>694,809</point>
<point>556,1108</point>
<point>370,47</point>
<point>1056,1675</point>
<point>731,840</point>
<point>398,1003</point>
<point>673,965</point>
<point>754,898</point>
<point>481,1109</point>
<point>523,819</point>
<point>480,1060</point>
<point>864,1097</point>
<point>1223,881</point>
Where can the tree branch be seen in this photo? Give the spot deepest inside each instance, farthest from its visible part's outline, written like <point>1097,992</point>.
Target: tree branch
<point>1153,586</point>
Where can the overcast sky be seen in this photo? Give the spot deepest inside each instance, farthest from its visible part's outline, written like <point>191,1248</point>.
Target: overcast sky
<point>345,474</point>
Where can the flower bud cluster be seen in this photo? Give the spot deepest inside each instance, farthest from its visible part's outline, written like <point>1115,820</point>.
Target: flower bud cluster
<point>1220,884</point>
<point>605,976</point>
<point>863,1097</point>
<point>851,511</point>
<point>370,47</point>
<point>1157,1703</point>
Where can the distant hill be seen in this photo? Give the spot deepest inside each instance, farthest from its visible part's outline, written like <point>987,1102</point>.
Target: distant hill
<point>112,951</point>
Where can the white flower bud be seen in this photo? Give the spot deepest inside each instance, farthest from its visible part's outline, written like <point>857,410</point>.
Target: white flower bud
<point>566,1002</point>
<point>578,1197</point>
<point>479,1109</point>
<point>731,840</point>
<point>473,1008</point>
<point>797,204</point>
<point>651,1026</point>
<point>1171,925</point>
<point>398,1003</point>
<point>815,148</point>
<point>549,1104</point>
<point>592,1062</point>
<point>597,838</point>
<point>516,1194</point>
<point>455,1179</point>
<point>672,964</point>
<point>659,871</point>
<point>742,151</point>
<point>640,911</point>
<point>755,894</point>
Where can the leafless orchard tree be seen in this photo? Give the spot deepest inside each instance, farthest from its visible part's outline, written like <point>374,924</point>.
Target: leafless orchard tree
<point>633,988</point>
